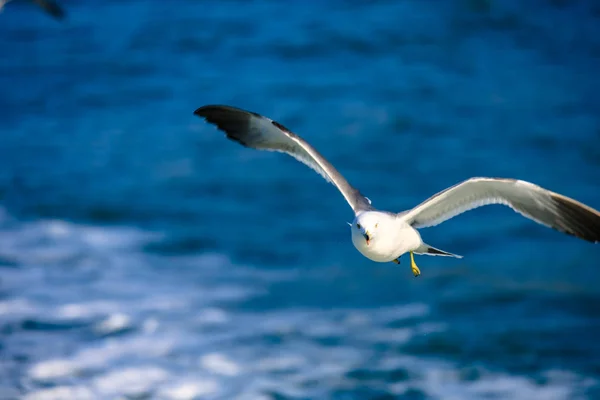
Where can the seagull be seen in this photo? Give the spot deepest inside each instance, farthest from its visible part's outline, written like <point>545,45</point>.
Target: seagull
<point>384,236</point>
<point>50,6</point>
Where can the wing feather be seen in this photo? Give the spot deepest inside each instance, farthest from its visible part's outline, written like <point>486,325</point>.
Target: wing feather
<point>534,202</point>
<point>258,132</point>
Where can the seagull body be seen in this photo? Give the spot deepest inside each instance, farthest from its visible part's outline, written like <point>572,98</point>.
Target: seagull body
<point>384,236</point>
<point>49,6</point>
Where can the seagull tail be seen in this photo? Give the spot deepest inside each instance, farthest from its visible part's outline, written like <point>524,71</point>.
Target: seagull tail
<point>432,251</point>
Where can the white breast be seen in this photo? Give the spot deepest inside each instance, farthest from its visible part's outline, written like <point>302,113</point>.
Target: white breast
<point>392,239</point>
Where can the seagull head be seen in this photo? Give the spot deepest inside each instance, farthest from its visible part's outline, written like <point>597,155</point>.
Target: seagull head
<point>366,226</point>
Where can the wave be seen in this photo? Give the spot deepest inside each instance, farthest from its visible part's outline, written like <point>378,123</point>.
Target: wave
<point>86,313</point>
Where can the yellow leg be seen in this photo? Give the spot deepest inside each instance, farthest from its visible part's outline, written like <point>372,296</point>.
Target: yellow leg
<point>416,271</point>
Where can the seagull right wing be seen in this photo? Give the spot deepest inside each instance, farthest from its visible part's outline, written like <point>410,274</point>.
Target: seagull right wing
<point>259,132</point>
<point>534,202</point>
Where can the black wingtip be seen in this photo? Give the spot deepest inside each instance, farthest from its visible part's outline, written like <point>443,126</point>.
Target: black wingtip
<point>578,219</point>
<point>232,121</point>
<point>206,110</point>
<point>215,113</point>
<point>211,109</point>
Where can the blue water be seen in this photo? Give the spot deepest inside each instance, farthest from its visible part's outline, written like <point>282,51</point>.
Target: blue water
<point>144,256</point>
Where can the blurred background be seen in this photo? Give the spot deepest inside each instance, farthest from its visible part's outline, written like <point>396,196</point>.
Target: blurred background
<point>144,256</point>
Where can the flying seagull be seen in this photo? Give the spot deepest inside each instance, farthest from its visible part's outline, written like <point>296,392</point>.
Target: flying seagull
<point>49,6</point>
<point>384,236</point>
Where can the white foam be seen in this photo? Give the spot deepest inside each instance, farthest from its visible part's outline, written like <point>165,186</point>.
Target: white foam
<point>56,241</point>
<point>212,316</point>
<point>324,329</point>
<point>356,318</point>
<point>252,396</point>
<point>176,313</point>
<point>85,309</point>
<point>190,390</point>
<point>58,229</point>
<point>61,393</point>
<point>150,325</point>
<point>281,363</point>
<point>52,369</point>
<point>115,238</point>
<point>111,351</point>
<point>518,388</point>
<point>114,323</point>
<point>159,302</point>
<point>220,364</point>
<point>440,379</point>
<point>133,381</point>
<point>18,306</point>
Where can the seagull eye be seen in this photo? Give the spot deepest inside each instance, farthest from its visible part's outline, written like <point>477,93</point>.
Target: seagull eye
<point>358,226</point>
<point>377,224</point>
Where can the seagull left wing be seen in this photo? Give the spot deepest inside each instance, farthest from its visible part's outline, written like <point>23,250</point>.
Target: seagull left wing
<point>259,132</point>
<point>534,202</point>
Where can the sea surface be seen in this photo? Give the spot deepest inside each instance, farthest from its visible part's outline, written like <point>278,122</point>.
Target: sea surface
<point>144,256</point>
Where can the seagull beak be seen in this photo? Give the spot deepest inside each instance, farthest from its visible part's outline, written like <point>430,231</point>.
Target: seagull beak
<point>367,237</point>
